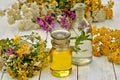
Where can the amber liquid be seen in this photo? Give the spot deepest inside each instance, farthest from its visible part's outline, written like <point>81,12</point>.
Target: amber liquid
<point>61,62</point>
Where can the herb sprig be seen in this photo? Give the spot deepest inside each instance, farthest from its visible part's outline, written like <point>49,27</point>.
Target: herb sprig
<point>78,41</point>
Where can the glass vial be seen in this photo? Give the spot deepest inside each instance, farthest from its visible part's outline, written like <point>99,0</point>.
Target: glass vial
<point>82,44</point>
<point>60,54</point>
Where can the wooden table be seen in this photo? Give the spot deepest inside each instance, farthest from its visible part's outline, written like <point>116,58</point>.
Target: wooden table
<point>98,69</point>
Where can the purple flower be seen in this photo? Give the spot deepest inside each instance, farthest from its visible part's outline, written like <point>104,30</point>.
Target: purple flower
<point>66,19</point>
<point>46,24</point>
<point>65,22</point>
<point>10,51</point>
<point>49,20</point>
<point>70,14</point>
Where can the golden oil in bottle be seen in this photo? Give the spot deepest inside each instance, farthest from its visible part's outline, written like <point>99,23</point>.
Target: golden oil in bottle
<point>60,54</point>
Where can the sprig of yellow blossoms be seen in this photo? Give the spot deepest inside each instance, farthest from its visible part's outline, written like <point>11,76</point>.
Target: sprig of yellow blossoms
<point>23,56</point>
<point>106,42</point>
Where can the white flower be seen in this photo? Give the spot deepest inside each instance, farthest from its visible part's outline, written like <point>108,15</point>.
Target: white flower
<point>35,14</point>
<point>22,1</point>
<point>44,11</point>
<point>35,26</point>
<point>11,20</point>
<point>24,8</point>
<point>28,15</point>
<point>4,69</point>
<point>24,24</point>
<point>59,17</point>
<point>10,12</point>
<point>2,12</point>
<point>34,6</point>
<point>15,6</point>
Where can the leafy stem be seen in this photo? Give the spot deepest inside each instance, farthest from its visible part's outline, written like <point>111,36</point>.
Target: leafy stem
<point>78,40</point>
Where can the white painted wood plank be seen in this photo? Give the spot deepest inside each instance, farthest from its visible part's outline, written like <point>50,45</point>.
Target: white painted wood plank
<point>98,69</point>
<point>46,75</point>
<point>8,77</point>
<point>117,71</point>
<point>1,74</point>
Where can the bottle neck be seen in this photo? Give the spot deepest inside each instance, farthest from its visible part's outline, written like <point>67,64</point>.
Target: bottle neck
<point>60,43</point>
<point>79,14</point>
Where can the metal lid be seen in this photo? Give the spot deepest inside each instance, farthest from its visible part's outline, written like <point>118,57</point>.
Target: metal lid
<point>60,34</point>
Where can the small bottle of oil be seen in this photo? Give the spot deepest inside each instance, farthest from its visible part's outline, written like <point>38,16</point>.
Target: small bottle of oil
<point>60,54</point>
<point>82,35</point>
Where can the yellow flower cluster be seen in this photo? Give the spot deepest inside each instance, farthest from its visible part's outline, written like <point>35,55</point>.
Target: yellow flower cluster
<point>17,39</point>
<point>106,42</point>
<point>26,55</point>
<point>23,49</point>
<point>115,57</point>
<point>93,4</point>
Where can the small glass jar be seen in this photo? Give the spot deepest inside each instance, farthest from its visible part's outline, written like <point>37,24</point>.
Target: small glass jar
<point>60,54</point>
<point>81,32</point>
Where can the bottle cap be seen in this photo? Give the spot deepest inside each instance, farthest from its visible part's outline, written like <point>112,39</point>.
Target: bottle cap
<point>60,34</point>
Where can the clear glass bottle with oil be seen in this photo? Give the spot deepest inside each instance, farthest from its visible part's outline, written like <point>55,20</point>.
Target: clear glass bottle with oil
<point>60,54</point>
<point>81,34</point>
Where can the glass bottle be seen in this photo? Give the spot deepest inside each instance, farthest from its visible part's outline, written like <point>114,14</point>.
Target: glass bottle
<point>60,54</point>
<point>81,34</point>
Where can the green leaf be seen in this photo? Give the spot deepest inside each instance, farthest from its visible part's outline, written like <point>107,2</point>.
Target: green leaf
<point>79,40</point>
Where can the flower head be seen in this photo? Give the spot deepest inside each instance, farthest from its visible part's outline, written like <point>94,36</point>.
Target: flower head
<point>66,19</point>
<point>46,23</point>
<point>10,51</point>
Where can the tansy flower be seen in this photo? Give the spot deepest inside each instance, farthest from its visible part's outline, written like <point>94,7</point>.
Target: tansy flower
<point>103,30</point>
<point>94,30</point>
<point>115,57</point>
<point>104,49</point>
<point>107,43</point>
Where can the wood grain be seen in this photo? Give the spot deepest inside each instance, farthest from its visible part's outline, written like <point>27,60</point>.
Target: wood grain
<point>46,75</point>
<point>98,69</point>
<point>117,71</point>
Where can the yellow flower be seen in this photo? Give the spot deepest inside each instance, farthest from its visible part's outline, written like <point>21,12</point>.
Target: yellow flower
<point>103,30</point>
<point>94,30</point>
<point>87,2</point>
<point>21,72</point>
<point>105,39</point>
<point>95,51</point>
<point>54,3</point>
<point>17,39</point>
<point>23,49</point>
<point>30,1</point>
<point>104,49</point>
<point>96,39</point>
<point>115,57</point>
<point>39,1</point>
<point>43,17</point>
<point>42,47</point>
<point>40,56</point>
